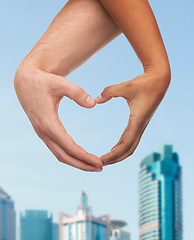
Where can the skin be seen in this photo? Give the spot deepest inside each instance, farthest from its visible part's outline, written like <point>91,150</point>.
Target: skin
<point>79,30</point>
<point>82,28</point>
<point>145,92</point>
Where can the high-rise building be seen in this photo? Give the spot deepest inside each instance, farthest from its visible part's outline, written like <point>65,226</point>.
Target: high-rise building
<point>7,217</point>
<point>84,226</point>
<point>160,196</point>
<point>55,231</point>
<point>36,224</point>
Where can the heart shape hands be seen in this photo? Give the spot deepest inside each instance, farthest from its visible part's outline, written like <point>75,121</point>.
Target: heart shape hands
<point>40,93</point>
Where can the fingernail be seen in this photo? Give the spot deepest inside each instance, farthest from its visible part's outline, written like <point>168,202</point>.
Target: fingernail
<point>90,100</point>
<point>99,98</point>
<point>98,170</point>
<point>105,164</point>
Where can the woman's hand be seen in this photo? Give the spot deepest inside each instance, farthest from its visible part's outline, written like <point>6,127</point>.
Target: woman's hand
<point>143,95</point>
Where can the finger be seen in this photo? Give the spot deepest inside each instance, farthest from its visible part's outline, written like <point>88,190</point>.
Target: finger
<point>110,92</point>
<point>54,129</point>
<point>120,140</point>
<point>63,157</point>
<point>73,91</point>
<point>80,96</point>
<point>130,150</point>
<point>127,140</point>
<point>125,155</point>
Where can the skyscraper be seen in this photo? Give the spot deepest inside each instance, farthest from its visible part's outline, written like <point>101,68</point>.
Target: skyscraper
<point>160,196</point>
<point>35,224</point>
<point>7,217</point>
<point>85,226</point>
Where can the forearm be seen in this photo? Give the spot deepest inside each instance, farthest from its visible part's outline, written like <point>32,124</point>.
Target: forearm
<point>78,31</point>
<point>136,20</point>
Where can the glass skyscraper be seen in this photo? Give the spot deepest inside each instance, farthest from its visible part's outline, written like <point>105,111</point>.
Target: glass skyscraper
<point>160,196</point>
<point>7,217</point>
<point>35,224</point>
<point>85,226</point>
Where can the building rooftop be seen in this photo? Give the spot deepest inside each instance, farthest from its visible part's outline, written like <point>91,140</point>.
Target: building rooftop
<point>161,152</point>
<point>3,194</point>
<point>117,223</point>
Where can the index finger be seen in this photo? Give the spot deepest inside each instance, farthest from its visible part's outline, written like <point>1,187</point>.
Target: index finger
<point>54,129</point>
<point>126,141</point>
<point>127,144</point>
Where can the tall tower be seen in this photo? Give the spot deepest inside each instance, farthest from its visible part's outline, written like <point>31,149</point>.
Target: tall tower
<point>7,217</point>
<point>84,226</point>
<point>160,196</point>
<point>35,224</point>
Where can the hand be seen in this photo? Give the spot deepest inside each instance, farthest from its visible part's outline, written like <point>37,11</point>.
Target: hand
<point>143,95</point>
<point>69,41</point>
<point>39,93</point>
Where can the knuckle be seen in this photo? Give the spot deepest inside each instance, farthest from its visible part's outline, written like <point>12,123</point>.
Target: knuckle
<point>42,128</point>
<point>78,92</point>
<point>39,133</point>
<point>60,159</point>
<point>131,152</point>
<point>19,77</point>
<point>107,91</point>
<point>71,148</point>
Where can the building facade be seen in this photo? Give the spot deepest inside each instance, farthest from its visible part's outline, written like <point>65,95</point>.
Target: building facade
<point>7,217</point>
<point>83,226</point>
<point>55,232</point>
<point>116,231</point>
<point>36,224</point>
<point>160,196</point>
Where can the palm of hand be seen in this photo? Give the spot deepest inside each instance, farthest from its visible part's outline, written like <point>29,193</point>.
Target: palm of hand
<point>40,96</point>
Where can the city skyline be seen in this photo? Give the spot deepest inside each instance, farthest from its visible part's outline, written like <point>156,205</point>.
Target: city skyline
<point>86,226</point>
<point>38,224</point>
<point>29,170</point>
<point>160,209</point>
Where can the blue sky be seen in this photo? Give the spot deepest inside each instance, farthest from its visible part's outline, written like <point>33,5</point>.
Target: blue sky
<point>31,174</point>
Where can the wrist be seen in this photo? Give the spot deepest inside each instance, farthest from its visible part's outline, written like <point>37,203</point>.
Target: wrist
<point>160,74</point>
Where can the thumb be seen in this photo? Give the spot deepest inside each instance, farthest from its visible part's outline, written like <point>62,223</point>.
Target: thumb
<point>76,93</point>
<point>109,92</point>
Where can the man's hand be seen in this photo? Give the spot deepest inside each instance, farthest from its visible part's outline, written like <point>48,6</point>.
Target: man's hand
<point>79,30</point>
<point>39,94</point>
<point>143,95</point>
